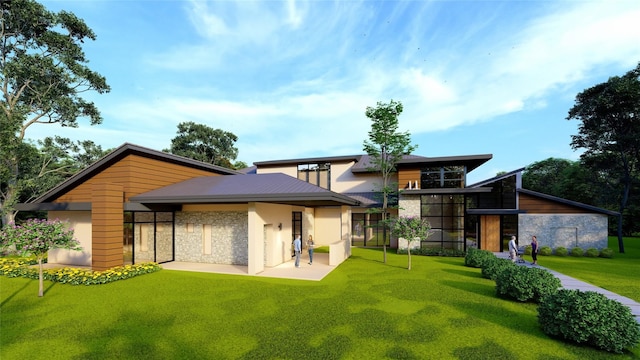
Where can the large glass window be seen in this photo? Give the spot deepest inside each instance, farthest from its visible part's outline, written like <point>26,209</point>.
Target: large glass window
<point>502,195</point>
<point>443,177</point>
<point>367,230</point>
<point>445,214</point>
<point>316,174</point>
<point>148,236</point>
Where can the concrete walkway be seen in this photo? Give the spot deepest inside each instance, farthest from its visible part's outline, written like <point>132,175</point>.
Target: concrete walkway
<point>286,270</point>
<point>575,284</point>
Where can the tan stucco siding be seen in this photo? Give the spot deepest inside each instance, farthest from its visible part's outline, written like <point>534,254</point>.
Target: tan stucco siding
<point>328,226</point>
<point>80,222</point>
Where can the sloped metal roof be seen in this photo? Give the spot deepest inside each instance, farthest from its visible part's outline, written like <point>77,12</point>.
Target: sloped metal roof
<point>274,188</point>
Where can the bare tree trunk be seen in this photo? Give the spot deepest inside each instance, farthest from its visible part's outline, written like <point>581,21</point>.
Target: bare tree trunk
<point>40,280</point>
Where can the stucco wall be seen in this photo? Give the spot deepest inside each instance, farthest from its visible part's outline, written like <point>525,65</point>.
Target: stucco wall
<point>566,230</point>
<point>228,240</point>
<point>80,222</point>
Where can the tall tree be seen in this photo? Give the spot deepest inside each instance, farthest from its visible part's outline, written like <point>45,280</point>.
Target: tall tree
<point>563,178</point>
<point>206,144</point>
<point>610,132</point>
<point>386,146</point>
<point>43,73</point>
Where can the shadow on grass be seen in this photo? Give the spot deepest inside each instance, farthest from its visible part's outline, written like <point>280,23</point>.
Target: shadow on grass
<point>488,350</point>
<point>26,284</point>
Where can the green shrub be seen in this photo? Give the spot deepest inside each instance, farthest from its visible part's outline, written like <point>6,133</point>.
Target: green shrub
<point>606,253</point>
<point>577,252</point>
<point>589,318</point>
<point>526,284</point>
<point>476,257</point>
<point>434,251</point>
<point>544,251</point>
<point>528,250</point>
<point>592,252</point>
<point>491,268</point>
<point>561,251</point>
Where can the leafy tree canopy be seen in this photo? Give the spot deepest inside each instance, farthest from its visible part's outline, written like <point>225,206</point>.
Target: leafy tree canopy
<point>609,132</point>
<point>386,146</point>
<point>203,143</point>
<point>43,74</point>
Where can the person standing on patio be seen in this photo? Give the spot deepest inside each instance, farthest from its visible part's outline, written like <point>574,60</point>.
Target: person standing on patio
<point>310,248</point>
<point>297,248</point>
<point>513,249</point>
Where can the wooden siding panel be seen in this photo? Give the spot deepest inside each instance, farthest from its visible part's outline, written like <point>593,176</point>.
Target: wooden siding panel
<point>490,232</point>
<point>107,217</point>
<point>137,175</point>
<point>535,205</point>
<point>406,175</point>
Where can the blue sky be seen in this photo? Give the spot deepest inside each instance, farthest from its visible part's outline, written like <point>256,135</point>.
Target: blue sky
<point>292,79</point>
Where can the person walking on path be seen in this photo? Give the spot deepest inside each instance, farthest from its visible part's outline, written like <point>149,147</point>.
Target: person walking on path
<point>534,250</point>
<point>310,248</point>
<point>513,249</point>
<point>297,248</point>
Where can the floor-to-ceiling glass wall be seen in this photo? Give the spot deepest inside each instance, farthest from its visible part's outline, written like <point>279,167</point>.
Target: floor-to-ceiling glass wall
<point>367,230</point>
<point>445,214</point>
<point>148,236</point>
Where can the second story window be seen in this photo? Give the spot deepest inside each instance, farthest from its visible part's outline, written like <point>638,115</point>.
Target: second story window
<point>317,174</point>
<point>443,177</point>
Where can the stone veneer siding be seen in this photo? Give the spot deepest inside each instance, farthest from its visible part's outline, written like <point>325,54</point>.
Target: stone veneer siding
<point>566,230</point>
<point>229,237</point>
<point>409,206</point>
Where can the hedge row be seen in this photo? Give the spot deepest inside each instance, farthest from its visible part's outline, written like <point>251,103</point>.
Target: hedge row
<point>585,317</point>
<point>575,252</point>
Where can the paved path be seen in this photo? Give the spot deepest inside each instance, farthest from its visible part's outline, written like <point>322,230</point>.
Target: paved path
<point>575,284</point>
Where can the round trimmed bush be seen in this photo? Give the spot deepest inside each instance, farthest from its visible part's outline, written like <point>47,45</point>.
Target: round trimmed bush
<point>526,284</point>
<point>544,251</point>
<point>561,251</point>
<point>577,252</point>
<point>528,250</point>
<point>476,257</point>
<point>492,268</point>
<point>606,253</point>
<point>592,252</point>
<point>588,318</point>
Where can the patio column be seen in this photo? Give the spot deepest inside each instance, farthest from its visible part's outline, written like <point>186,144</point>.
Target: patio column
<point>107,217</point>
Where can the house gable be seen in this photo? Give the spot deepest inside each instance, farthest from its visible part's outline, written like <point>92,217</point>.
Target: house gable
<point>136,169</point>
<point>137,175</point>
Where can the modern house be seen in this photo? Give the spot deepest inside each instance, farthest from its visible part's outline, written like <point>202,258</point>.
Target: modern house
<point>137,204</point>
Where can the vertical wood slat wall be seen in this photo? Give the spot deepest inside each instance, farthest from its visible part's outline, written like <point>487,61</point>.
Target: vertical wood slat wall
<point>406,175</point>
<point>107,217</point>
<point>490,232</point>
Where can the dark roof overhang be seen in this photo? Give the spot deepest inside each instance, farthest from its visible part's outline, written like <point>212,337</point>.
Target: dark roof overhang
<point>447,191</point>
<point>50,206</point>
<point>324,159</point>
<point>494,211</point>
<point>471,162</point>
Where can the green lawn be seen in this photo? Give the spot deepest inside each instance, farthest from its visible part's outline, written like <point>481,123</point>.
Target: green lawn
<point>620,274</point>
<point>362,310</point>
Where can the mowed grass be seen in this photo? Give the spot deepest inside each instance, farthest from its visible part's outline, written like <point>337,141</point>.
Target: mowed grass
<point>620,275</point>
<point>364,309</point>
